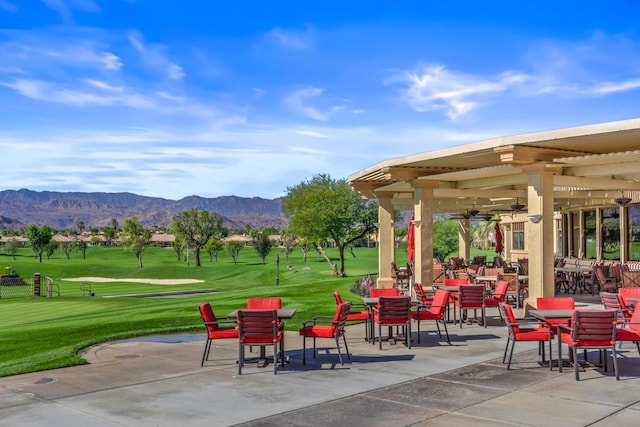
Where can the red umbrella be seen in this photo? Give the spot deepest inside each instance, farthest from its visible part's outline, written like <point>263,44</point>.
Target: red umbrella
<point>411,250</point>
<point>499,245</point>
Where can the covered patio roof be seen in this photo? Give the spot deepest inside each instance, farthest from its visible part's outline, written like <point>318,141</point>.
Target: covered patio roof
<point>592,165</point>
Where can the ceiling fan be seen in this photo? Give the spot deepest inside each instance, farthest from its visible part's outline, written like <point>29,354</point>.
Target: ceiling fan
<point>471,213</point>
<point>515,207</point>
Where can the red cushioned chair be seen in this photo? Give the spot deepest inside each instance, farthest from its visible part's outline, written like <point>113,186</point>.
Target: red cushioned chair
<point>631,331</point>
<point>214,329</point>
<point>471,297</point>
<point>326,327</point>
<point>424,299</point>
<point>590,329</point>
<point>270,303</point>
<point>393,311</point>
<point>628,293</point>
<point>361,314</point>
<point>520,331</point>
<point>614,302</point>
<point>435,311</point>
<point>263,303</point>
<point>388,292</point>
<point>499,295</point>
<point>260,327</point>
<point>555,303</point>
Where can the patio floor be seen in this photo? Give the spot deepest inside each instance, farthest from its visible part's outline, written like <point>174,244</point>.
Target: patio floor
<point>158,381</point>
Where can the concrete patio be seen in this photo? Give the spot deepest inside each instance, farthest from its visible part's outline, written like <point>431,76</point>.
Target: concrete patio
<point>158,381</point>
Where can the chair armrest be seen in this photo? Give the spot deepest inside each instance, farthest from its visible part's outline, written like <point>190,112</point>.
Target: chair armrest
<point>565,327</point>
<point>318,319</point>
<point>222,322</point>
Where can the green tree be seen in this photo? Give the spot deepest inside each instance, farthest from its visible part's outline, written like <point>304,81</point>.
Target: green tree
<point>136,237</point>
<point>178,245</point>
<point>66,248</point>
<point>288,243</point>
<point>445,238</point>
<point>213,248</point>
<point>109,234</point>
<point>82,247</point>
<point>197,227</point>
<point>262,245</point>
<point>11,247</point>
<point>80,226</point>
<point>323,208</point>
<point>234,247</point>
<point>51,248</point>
<point>39,238</point>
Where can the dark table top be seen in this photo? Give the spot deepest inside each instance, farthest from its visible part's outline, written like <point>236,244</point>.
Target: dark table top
<point>283,313</point>
<point>551,314</point>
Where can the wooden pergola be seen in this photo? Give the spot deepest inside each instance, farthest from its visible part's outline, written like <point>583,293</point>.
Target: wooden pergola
<point>547,172</point>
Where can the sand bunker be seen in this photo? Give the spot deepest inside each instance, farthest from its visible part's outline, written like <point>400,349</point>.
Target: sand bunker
<point>148,281</point>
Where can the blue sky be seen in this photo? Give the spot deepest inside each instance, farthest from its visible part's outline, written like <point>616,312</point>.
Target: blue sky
<point>205,97</point>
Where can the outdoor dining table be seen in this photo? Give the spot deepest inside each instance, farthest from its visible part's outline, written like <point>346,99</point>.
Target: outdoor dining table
<point>574,273</point>
<point>283,314</point>
<point>545,316</point>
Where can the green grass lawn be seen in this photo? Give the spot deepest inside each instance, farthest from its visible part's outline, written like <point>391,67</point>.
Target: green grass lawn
<point>42,333</point>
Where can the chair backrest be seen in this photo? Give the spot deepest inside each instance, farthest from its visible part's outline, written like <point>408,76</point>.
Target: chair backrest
<point>264,303</point>
<point>208,317</point>
<point>394,309</point>
<point>553,303</point>
<point>340,318</point>
<point>501,290</point>
<point>493,271</point>
<point>600,274</point>
<point>438,273</point>
<point>258,326</point>
<point>440,302</point>
<point>512,282</point>
<point>424,300</point>
<point>378,292</point>
<point>612,301</point>
<point>337,297</point>
<point>471,295</point>
<point>509,318</point>
<point>593,328</point>
<point>630,279</point>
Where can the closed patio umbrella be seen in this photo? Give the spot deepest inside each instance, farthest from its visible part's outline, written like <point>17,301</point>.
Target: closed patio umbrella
<point>499,245</point>
<point>411,240</point>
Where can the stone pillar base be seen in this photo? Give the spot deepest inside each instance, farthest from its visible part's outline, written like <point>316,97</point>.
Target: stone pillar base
<point>385,282</point>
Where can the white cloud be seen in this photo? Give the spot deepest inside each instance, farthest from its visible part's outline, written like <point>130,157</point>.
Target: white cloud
<point>64,7</point>
<point>154,57</point>
<point>292,39</point>
<point>311,133</point>
<point>434,88</point>
<point>300,101</point>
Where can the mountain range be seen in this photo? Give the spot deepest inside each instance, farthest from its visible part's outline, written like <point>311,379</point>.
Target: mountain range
<point>63,210</point>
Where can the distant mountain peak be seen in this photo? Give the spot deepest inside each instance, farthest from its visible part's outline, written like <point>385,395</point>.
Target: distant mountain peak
<point>63,210</point>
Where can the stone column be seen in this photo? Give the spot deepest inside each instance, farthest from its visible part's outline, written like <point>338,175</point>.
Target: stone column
<point>423,215</point>
<point>464,239</point>
<point>386,239</point>
<point>539,236</point>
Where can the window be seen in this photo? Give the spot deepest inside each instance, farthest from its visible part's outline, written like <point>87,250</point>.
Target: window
<point>634,232</point>
<point>611,233</point>
<point>590,234</point>
<point>518,235</point>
